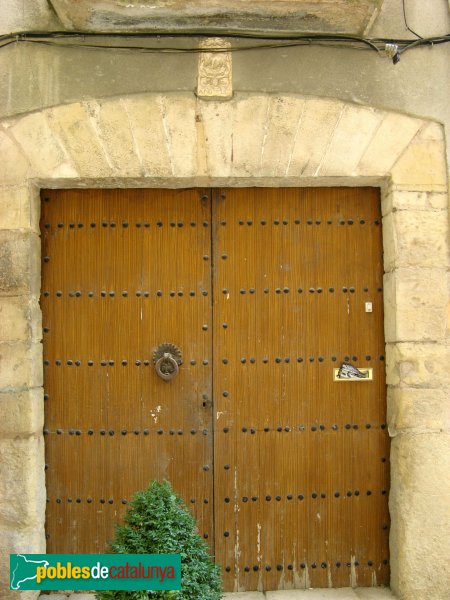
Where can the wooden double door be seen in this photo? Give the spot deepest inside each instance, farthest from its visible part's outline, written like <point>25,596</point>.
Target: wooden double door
<point>265,292</point>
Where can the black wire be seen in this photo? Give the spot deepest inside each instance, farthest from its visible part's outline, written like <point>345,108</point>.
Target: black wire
<point>277,42</point>
<point>267,42</point>
<point>406,22</point>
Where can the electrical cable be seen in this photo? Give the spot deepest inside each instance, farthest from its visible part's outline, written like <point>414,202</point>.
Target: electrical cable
<point>406,22</point>
<point>393,48</point>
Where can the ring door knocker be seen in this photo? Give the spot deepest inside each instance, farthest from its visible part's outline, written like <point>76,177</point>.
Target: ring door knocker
<point>167,359</point>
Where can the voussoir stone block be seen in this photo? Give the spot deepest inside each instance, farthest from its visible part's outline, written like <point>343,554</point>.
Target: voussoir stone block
<point>353,133</point>
<point>282,123</point>
<point>420,530</point>
<point>20,365</point>
<point>415,239</point>
<point>422,165</point>
<point>179,121</point>
<point>71,124</point>
<point>149,136</point>
<point>19,263</point>
<point>423,365</point>
<point>314,132</point>
<point>217,126</point>
<point>250,113</point>
<point>389,141</point>
<point>416,305</point>
<point>113,128</point>
<point>418,410</point>
<point>42,147</point>
<point>22,481</point>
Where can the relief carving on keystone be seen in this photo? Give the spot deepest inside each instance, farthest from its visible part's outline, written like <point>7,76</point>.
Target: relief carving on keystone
<point>214,70</point>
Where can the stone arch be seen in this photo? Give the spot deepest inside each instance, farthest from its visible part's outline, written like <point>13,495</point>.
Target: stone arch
<point>176,140</point>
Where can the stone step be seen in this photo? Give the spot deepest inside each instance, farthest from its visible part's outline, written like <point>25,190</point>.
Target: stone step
<point>311,594</point>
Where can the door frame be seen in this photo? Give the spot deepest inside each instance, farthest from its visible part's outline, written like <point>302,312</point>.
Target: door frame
<point>405,157</point>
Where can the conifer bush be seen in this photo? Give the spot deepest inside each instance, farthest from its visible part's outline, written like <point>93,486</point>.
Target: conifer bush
<point>157,522</point>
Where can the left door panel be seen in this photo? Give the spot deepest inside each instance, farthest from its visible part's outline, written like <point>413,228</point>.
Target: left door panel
<point>122,272</point>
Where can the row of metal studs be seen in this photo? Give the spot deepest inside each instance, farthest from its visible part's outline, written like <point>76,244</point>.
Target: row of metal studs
<point>191,293</point>
<point>112,432</point>
<point>286,290</point>
<point>252,430</point>
<point>124,293</point>
<point>301,497</point>
<point>225,361</point>
<point>124,224</point>
<point>314,565</point>
<point>245,499</point>
<point>173,224</point>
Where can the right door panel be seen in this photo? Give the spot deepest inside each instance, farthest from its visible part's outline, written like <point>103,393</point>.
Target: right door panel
<point>301,460</point>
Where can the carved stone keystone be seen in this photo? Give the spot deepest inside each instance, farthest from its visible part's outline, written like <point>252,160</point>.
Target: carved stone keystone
<point>214,70</point>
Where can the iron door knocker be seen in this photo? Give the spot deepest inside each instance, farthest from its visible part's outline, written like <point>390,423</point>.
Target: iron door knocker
<point>167,359</point>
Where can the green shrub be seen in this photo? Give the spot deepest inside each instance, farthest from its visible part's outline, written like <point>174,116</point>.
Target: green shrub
<point>157,522</point>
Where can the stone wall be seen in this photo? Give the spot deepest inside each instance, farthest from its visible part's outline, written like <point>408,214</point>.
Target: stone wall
<point>178,140</point>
